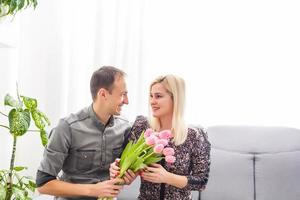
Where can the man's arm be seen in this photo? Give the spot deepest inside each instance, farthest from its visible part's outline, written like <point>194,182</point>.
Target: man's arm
<point>61,188</point>
<point>54,157</point>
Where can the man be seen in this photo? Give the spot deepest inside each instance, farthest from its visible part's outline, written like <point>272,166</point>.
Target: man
<point>84,144</point>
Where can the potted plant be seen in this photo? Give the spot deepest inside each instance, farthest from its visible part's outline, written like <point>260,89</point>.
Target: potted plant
<point>12,184</point>
<point>11,7</point>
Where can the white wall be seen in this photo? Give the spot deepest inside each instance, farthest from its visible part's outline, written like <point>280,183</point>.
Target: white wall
<point>239,59</point>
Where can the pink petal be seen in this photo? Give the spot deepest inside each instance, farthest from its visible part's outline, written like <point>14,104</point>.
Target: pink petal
<point>168,151</point>
<point>170,159</point>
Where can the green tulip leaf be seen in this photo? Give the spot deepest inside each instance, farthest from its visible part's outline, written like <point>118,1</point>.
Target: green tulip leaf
<point>151,160</point>
<point>127,163</point>
<point>125,152</point>
<point>138,164</point>
<point>19,121</point>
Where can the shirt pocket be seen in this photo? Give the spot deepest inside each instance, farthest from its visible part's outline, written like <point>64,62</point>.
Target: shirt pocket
<point>85,159</point>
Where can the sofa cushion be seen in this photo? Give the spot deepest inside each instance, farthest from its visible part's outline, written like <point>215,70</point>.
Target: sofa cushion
<point>253,139</point>
<point>278,176</point>
<point>230,177</point>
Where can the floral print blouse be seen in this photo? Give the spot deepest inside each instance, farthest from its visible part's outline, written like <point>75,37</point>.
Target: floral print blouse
<point>192,161</point>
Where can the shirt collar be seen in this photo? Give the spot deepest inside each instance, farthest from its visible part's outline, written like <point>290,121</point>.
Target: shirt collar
<point>93,115</point>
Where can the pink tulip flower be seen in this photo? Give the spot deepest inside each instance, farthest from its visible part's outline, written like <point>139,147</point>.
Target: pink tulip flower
<point>162,141</point>
<point>168,151</point>
<point>148,132</point>
<point>158,148</point>
<point>151,140</point>
<point>170,159</point>
<point>166,134</point>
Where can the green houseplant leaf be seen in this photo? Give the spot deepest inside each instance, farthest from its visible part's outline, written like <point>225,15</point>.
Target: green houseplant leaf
<point>11,7</point>
<point>19,121</point>
<point>14,186</point>
<point>2,192</point>
<point>39,119</point>
<point>44,137</point>
<point>19,168</point>
<point>31,185</point>
<point>10,101</point>
<point>30,103</point>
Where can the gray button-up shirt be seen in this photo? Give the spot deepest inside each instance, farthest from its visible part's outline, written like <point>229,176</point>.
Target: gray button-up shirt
<point>81,148</point>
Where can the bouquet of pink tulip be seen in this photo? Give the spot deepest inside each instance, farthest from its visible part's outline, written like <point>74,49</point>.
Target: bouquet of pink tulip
<point>151,147</point>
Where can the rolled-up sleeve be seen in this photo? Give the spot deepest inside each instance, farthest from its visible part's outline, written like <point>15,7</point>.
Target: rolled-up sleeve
<point>57,149</point>
<point>200,162</point>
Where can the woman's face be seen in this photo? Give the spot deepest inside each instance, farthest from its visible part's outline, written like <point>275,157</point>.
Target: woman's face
<point>160,101</point>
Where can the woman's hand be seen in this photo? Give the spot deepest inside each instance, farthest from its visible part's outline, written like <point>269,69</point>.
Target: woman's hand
<point>156,174</point>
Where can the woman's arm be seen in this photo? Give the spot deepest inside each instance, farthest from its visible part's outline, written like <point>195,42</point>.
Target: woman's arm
<point>176,180</point>
<point>200,161</point>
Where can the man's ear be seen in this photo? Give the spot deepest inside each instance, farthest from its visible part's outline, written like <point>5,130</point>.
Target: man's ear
<point>102,93</point>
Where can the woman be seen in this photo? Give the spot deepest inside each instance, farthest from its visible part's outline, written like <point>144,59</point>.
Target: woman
<point>192,149</point>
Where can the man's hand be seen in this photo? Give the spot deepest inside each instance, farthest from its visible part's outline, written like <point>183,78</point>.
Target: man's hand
<point>110,188</point>
<point>114,171</point>
<point>129,177</point>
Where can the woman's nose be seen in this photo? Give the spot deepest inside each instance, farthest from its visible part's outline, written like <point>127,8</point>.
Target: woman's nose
<point>152,101</point>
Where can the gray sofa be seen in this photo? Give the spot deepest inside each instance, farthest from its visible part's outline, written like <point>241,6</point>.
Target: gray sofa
<point>253,163</point>
<point>248,163</point>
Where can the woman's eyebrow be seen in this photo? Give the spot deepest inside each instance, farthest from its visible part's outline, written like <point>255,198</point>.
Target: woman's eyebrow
<point>156,93</point>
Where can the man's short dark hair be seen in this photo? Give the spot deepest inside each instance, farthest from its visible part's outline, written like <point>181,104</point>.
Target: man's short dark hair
<point>104,77</point>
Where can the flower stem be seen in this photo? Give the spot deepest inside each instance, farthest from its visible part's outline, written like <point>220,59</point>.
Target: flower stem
<point>148,155</point>
<point>140,147</point>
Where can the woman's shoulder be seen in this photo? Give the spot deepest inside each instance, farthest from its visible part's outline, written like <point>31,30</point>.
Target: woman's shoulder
<point>141,121</point>
<point>140,124</point>
<point>197,133</point>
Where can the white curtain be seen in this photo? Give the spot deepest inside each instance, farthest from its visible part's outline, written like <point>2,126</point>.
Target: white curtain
<point>239,59</point>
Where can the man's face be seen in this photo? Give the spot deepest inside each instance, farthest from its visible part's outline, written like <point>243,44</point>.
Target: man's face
<point>118,96</point>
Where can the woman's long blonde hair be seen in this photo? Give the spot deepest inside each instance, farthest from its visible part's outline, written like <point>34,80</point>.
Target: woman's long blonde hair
<point>176,87</point>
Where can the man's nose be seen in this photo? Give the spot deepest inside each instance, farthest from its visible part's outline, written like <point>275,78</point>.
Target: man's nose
<point>125,100</point>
